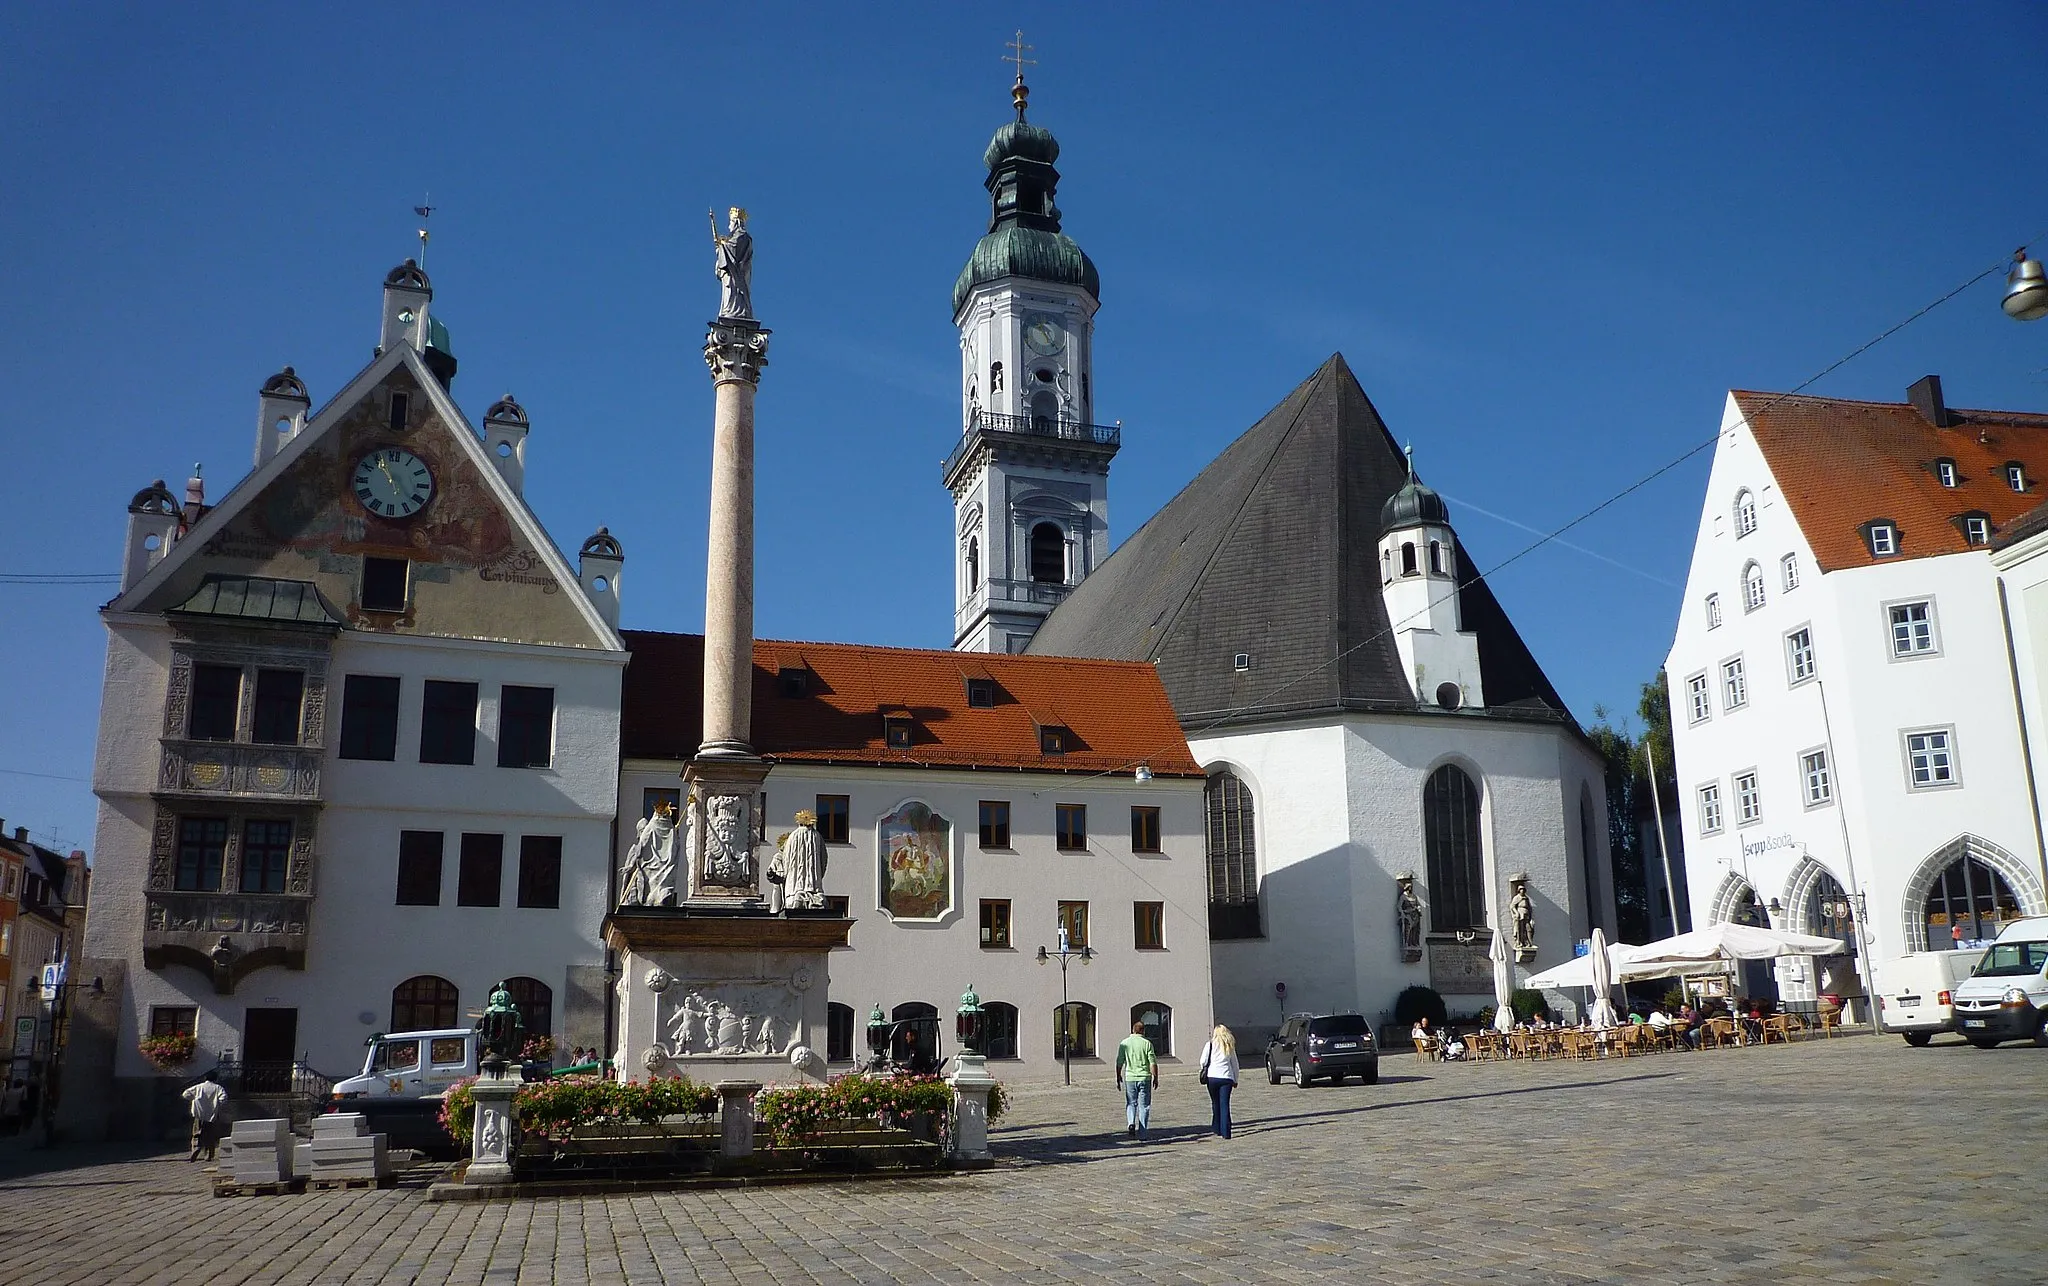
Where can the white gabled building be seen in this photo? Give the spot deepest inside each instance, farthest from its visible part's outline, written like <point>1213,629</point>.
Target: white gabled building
<point>358,743</point>
<point>1842,700</point>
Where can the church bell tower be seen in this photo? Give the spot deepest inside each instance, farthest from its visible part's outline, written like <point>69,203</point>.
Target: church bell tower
<point>1030,476</point>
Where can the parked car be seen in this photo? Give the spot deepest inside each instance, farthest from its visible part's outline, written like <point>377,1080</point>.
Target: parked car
<point>1915,996</point>
<point>1309,1046</point>
<point>2007,998</point>
<point>412,1064</point>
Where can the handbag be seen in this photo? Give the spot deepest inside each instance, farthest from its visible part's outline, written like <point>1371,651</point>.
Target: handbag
<point>1208,1051</point>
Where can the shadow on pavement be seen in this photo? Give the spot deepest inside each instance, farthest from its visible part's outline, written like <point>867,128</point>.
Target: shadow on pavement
<point>20,1162</point>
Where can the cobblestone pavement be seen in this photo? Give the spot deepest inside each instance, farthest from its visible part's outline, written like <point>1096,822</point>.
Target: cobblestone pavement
<point>1849,1160</point>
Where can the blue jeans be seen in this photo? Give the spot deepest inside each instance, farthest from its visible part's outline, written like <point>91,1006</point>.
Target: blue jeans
<point>1219,1107</point>
<point>1138,1103</point>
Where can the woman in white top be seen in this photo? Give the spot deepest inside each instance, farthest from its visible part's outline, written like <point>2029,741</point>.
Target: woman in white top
<point>1219,1073</point>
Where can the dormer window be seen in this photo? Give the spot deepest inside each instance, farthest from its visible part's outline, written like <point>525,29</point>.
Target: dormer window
<point>1745,513</point>
<point>2015,475</point>
<point>981,694</point>
<point>1883,538</point>
<point>1976,529</point>
<point>1053,739</point>
<point>896,729</point>
<point>793,681</point>
<point>1242,662</point>
<point>1945,469</point>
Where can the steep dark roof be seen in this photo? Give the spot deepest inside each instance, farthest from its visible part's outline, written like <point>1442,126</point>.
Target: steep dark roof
<point>1273,550</point>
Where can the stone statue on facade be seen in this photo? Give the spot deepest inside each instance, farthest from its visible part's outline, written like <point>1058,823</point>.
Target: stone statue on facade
<point>734,264</point>
<point>1522,915</point>
<point>798,867</point>
<point>1408,915</point>
<point>650,878</point>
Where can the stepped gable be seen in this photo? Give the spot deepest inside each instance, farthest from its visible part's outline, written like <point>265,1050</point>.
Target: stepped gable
<point>826,702</point>
<point>1273,551</point>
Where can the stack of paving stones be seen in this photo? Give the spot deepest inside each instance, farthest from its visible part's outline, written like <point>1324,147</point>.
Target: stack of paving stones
<point>259,1156</point>
<point>343,1153</point>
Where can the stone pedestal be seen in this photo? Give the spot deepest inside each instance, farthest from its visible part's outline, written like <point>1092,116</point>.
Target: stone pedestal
<point>491,1143</point>
<point>971,1086</point>
<point>719,997</point>
<point>736,351</point>
<point>722,839</point>
<point>736,1117</point>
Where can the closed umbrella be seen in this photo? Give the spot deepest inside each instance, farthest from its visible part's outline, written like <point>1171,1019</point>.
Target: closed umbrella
<point>1603,981</point>
<point>1503,984</point>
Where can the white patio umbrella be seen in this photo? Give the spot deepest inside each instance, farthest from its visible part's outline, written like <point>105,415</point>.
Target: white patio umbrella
<point>1603,981</point>
<point>1578,971</point>
<point>1503,984</point>
<point>1719,943</point>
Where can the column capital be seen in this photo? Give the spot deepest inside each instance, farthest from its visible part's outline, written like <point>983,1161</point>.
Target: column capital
<point>736,351</point>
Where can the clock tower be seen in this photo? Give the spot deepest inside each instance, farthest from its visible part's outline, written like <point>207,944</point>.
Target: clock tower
<point>1030,476</point>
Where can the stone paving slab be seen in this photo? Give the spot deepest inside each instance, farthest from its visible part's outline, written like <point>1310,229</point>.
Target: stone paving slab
<point>1854,1160</point>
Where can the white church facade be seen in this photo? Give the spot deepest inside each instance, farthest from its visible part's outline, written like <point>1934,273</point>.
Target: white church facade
<point>1849,747</point>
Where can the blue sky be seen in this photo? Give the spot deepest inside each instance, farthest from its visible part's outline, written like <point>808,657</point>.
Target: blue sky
<point>1548,239</point>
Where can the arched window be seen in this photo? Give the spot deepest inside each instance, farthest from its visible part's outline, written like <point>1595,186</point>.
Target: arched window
<point>424,1004</point>
<point>1048,554</point>
<point>973,563</point>
<point>1451,840</point>
<point>838,1033</point>
<point>1073,1030</point>
<point>1407,558</point>
<point>999,1030</point>
<point>1044,413</point>
<point>1745,513</point>
<point>1233,858</point>
<point>1788,567</point>
<point>1386,565</point>
<point>1157,1020</point>
<point>1589,855</point>
<point>536,1005</point>
<point>1713,611</point>
<point>1968,904</point>
<point>1752,587</point>
<point>1436,558</point>
<point>916,1036</point>
<point>1829,911</point>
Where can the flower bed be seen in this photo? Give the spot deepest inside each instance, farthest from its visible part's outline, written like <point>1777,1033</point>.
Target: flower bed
<point>167,1053</point>
<point>557,1108</point>
<point>795,1114</point>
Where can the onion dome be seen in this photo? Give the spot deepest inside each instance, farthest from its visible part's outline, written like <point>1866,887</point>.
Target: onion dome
<point>1412,506</point>
<point>1024,237</point>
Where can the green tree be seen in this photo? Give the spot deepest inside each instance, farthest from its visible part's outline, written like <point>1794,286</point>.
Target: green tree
<point>1628,757</point>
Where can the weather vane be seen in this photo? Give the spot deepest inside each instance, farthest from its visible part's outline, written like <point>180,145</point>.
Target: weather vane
<point>424,211</point>
<point>1018,92</point>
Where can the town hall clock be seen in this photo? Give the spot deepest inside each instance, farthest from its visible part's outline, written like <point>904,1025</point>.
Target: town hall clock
<point>392,483</point>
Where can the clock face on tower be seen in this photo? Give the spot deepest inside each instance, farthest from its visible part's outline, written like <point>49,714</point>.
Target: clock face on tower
<point>392,483</point>
<point>1044,335</point>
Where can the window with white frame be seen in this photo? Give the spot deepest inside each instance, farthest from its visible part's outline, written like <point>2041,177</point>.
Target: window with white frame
<point>1884,539</point>
<point>1698,699</point>
<point>1913,628</point>
<point>1977,529</point>
<point>1749,804</point>
<point>1710,808</point>
<point>1945,469</point>
<point>1745,513</point>
<point>1713,611</point>
<point>1788,572</point>
<point>1799,654</point>
<point>1752,587</point>
<point>1931,758</point>
<point>1813,771</point>
<point>2016,475</point>
<point>1734,686</point>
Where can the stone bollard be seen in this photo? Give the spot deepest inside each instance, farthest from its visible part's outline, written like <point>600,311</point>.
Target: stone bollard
<point>492,1143</point>
<point>736,1117</point>
<point>971,1085</point>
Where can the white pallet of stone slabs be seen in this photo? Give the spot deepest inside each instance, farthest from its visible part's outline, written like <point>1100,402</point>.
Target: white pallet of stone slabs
<point>260,1152</point>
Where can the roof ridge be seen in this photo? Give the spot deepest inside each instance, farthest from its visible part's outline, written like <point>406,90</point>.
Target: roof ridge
<point>1781,398</point>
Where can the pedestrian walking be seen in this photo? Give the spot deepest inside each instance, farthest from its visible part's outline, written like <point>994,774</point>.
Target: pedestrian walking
<point>1137,1071</point>
<point>1219,1073</point>
<point>206,1101</point>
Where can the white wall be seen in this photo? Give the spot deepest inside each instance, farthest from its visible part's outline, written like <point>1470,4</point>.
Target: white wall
<point>890,962</point>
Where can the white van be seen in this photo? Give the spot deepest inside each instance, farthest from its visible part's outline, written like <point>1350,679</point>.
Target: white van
<point>413,1064</point>
<point>2007,998</point>
<point>1916,991</point>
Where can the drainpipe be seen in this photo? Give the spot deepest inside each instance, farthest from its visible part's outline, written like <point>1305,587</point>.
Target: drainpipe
<point>1849,860</point>
<point>2012,664</point>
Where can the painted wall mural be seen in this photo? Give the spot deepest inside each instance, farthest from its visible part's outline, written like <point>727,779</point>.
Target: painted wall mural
<point>914,846</point>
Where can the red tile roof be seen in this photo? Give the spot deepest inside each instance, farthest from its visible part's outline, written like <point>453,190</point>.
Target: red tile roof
<point>1840,464</point>
<point>1116,712</point>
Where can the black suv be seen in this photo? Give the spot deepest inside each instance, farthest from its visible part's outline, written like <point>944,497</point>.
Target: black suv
<point>1332,1045</point>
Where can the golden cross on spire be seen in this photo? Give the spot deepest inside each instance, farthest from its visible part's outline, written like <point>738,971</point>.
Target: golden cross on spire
<point>1019,93</point>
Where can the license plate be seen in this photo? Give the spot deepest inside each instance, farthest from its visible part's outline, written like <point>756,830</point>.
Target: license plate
<point>1342,1045</point>
<point>1909,1000</point>
<point>1973,1022</point>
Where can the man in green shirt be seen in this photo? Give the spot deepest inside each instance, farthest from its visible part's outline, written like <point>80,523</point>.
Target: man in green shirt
<point>1137,1070</point>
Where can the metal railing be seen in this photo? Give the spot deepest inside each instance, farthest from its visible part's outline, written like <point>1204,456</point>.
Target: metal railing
<point>1032,426</point>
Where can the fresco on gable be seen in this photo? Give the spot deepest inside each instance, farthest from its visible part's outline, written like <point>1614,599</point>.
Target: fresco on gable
<point>914,849</point>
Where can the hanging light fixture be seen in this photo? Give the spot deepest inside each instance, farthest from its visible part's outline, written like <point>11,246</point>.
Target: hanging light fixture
<point>2026,288</point>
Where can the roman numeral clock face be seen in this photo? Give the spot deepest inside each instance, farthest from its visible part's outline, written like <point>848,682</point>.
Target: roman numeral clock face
<point>392,483</point>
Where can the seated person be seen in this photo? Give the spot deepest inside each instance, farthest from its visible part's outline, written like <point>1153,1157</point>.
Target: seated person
<point>1421,1031</point>
<point>1659,1020</point>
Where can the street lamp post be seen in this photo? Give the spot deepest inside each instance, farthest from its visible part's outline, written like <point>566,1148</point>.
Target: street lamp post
<point>1066,955</point>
